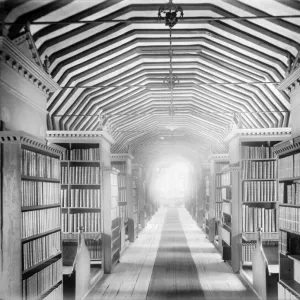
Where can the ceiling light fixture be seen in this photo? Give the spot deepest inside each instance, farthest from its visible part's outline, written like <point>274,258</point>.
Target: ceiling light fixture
<point>170,13</point>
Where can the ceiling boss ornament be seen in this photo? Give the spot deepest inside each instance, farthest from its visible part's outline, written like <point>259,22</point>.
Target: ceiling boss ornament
<point>171,13</point>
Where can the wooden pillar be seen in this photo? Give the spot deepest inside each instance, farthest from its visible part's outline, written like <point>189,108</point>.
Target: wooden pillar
<point>236,220</point>
<point>11,275</point>
<point>141,198</point>
<point>106,207</point>
<point>130,201</point>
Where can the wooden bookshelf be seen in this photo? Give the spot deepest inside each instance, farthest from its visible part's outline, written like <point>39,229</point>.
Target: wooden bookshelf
<point>254,195</point>
<point>217,162</point>
<point>86,183</point>
<point>31,195</point>
<point>225,235</point>
<point>288,153</point>
<point>201,195</point>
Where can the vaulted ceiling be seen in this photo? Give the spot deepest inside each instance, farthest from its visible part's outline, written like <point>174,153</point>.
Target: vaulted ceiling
<point>111,58</point>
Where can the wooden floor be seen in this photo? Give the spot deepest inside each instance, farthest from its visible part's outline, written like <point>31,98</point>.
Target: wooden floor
<point>171,257</point>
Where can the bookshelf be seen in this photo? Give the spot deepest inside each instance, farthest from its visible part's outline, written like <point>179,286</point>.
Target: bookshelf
<point>288,153</point>
<point>138,198</point>
<point>226,186</point>
<point>206,209</point>
<point>31,194</point>
<point>86,184</point>
<point>201,199</point>
<point>217,161</point>
<point>115,217</point>
<point>254,193</point>
<point>122,162</point>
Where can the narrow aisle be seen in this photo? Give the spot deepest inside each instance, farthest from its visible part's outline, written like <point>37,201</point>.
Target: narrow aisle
<point>174,274</point>
<point>171,259</point>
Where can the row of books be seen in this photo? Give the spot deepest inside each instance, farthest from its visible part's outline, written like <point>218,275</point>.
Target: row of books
<point>124,213</point>
<point>259,191</point>
<point>39,193</point>
<point>122,195</point>
<point>226,208</point>
<point>42,281</point>
<point>226,193</point>
<point>289,218</point>
<point>257,152</point>
<point>91,222</point>
<point>226,179</point>
<point>218,210</point>
<point>259,169</point>
<point>122,180</point>
<point>40,249</point>
<point>94,248</point>
<point>39,165</point>
<point>289,166</point>
<point>80,175</point>
<point>120,166</point>
<point>219,195</point>
<point>40,221</point>
<point>247,249</point>
<point>81,198</point>
<point>292,195</point>
<point>284,293</point>
<point>257,217</point>
<point>283,241</point>
<point>56,294</point>
<point>82,154</point>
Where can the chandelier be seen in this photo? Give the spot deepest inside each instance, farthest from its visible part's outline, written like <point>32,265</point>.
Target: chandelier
<point>170,13</point>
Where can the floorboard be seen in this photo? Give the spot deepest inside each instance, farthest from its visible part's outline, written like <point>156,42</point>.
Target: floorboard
<point>171,259</point>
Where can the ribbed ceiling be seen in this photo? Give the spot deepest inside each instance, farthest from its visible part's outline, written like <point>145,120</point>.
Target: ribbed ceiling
<point>118,67</point>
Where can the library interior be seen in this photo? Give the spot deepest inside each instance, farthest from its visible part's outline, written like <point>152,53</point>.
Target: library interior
<point>149,150</point>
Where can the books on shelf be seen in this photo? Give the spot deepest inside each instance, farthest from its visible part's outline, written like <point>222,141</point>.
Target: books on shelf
<point>40,221</point>
<point>259,191</point>
<point>39,193</point>
<point>218,210</point>
<point>123,213</point>
<point>40,249</point>
<point>39,165</point>
<point>226,208</point>
<point>82,154</point>
<point>291,195</point>
<point>285,293</point>
<point>286,167</point>
<point>91,221</point>
<point>56,294</point>
<point>84,175</point>
<point>89,198</point>
<point>258,217</point>
<point>259,169</point>
<point>122,195</point>
<point>94,248</point>
<point>226,179</point>
<point>42,281</point>
<point>257,152</point>
<point>289,218</point>
<point>247,249</point>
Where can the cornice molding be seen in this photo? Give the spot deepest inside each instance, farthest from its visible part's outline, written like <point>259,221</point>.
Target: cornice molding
<point>288,146</point>
<point>291,82</point>
<point>284,132</point>
<point>21,137</point>
<point>219,156</point>
<point>59,136</point>
<point>22,97</point>
<point>17,61</point>
<point>110,169</point>
<point>120,156</point>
